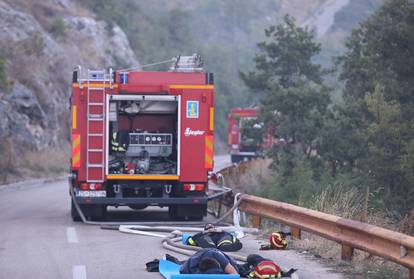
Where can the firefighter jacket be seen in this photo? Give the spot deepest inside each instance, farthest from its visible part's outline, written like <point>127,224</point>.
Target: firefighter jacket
<point>118,143</point>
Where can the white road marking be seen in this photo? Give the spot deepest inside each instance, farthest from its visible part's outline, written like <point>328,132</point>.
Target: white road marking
<point>71,234</point>
<point>79,272</point>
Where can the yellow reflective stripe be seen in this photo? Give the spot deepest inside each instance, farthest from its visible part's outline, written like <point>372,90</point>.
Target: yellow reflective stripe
<point>191,241</point>
<point>261,267</point>
<point>265,276</point>
<point>141,177</point>
<point>75,150</point>
<point>76,160</point>
<point>209,143</point>
<point>76,140</point>
<point>208,161</point>
<point>211,119</point>
<point>182,86</point>
<point>225,241</point>
<point>73,117</point>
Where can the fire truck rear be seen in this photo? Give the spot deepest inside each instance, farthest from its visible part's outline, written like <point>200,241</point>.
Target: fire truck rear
<point>246,136</point>
<point>142,138</point>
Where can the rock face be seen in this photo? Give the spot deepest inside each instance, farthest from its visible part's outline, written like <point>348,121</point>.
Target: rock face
<point>41,43</point>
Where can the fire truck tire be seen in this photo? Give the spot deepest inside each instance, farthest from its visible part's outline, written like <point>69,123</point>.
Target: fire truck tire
<point>91,212</point>
<point>187,212</point>
<point>96,212</point>
<point>172,212</point>
<point>74,213</point>
<point>236,158</point>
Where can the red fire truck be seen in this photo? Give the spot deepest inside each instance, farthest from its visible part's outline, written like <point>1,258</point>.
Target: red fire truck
<point>246,137</point>
<point>142,138</point>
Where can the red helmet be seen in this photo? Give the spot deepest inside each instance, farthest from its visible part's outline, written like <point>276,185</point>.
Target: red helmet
<point>267,269</point>
<point>277,241</point>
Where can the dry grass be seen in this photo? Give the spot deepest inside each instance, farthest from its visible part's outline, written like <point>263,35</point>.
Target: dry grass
<point>407,224</point>
<point>363,264</point>
<point>251,179</point>
<point>349,203</point>
<point>47,162</point>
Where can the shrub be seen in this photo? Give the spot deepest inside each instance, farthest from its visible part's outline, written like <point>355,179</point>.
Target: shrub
<point>59,28</point>
<point>33,45</point>
<point>4,78</point>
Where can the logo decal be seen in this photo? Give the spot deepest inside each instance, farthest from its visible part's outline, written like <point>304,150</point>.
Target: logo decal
<point>188,132</point>
<point>192,109</point>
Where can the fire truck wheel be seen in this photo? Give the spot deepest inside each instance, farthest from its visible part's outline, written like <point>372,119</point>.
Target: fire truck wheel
<point>187,212</point>
<point>91,212</point>
<point>172,212</point>
<point>236,158</point>
<point>74,213</point>
<point>96,212</point>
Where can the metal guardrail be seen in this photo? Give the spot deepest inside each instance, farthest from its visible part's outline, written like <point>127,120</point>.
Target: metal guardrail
<point>391,245</point>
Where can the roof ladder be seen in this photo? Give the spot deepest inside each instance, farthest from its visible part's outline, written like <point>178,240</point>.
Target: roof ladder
<point>95,152</point>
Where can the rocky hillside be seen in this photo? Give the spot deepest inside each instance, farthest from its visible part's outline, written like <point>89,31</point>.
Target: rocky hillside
<point>40,43</point>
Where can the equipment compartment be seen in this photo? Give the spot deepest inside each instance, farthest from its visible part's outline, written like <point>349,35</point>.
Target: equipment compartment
<point>143,136</point>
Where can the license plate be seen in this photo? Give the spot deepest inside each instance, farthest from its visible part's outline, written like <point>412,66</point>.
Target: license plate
<point>91,194</point>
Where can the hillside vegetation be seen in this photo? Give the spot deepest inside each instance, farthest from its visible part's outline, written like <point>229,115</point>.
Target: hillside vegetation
<point>224,32</point>
<point>42,41</point>
<point>364,141</point>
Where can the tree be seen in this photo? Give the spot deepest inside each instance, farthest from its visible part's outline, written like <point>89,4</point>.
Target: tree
<point>295,98</point>
<point>389,143</point>
<point>378,71</point>
<point>381,51</point>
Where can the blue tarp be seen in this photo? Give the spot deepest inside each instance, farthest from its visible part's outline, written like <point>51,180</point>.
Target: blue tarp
<point>171,270</point>
<point>185,237</point>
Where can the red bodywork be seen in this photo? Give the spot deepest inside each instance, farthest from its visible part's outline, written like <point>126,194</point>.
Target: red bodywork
<point>195,134</point>
<point>234,134</point>
<point>234,123</point>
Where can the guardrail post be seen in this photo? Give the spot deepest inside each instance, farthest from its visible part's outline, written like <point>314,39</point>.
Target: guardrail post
<point>347,252</point>
<point>256,220</point>
<point>296,232</point>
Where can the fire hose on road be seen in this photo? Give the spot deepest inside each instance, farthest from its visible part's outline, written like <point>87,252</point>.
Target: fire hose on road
<point>175,230</point>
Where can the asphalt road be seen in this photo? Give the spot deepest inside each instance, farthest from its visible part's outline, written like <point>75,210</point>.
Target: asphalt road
<point>39,240</point>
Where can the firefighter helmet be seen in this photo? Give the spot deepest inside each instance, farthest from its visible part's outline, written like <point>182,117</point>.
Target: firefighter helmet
<point>266,270</point>
<point>277,241</point>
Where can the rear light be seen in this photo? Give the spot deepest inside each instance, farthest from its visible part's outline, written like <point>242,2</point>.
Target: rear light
<point>95,186</point>
<point>193,187</point>
<point>91,186</point>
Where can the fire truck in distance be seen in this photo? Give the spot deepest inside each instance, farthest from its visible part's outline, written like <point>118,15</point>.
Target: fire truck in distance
<point>142,138</point>
<point>246,137</point>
